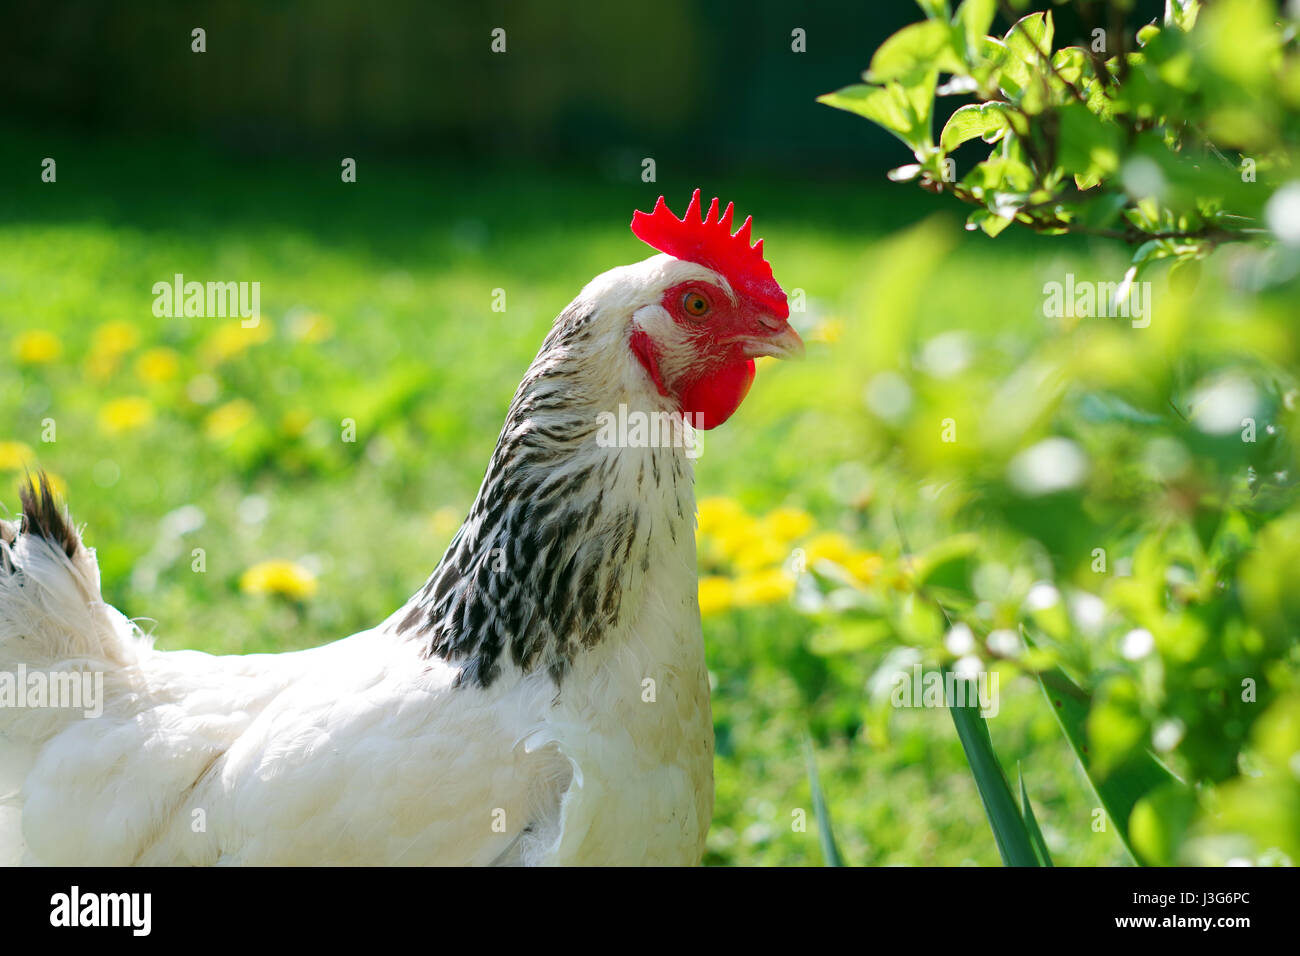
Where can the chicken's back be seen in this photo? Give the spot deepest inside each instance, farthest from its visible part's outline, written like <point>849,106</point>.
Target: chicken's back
<point>371,757</point>
<point>350,753</point>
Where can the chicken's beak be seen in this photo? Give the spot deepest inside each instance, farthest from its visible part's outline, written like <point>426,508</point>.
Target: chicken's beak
<point>778,340</point>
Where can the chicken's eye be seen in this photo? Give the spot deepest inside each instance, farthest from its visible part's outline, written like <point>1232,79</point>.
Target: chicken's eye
<point>695,304</point>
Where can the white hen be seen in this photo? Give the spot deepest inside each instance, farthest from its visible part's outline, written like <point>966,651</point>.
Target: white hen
<point>542,699</point>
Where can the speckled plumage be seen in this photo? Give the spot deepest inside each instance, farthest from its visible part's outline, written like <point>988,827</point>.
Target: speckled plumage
<point>543,699</point>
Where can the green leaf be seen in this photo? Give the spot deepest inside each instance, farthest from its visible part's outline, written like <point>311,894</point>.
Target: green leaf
<point>919,619</point>
<point>999,174</point>
<point>1009,828</point>
<point>875,103</point>
<point>964,124</point>
<point>1031,824</point>
<point>974,17</point>
<point>1099,102</point>
<point>903,111</point>
<point>1147,33</point>
<point>986,221</point>
<point>1159,822</point>
<point>1071,62</point>
<point>985,120</point>
<point>1182,13</point>
<point>1030,35</point>
<point>913,51</point>
<point>949,564</point>
<point>1115,725</point>
<point>1104,210</point>
<point>1088,145</point>
<point>1022,77</point>
<point>990,56</point>
<point>1120,790</point>
<point>830,852</point>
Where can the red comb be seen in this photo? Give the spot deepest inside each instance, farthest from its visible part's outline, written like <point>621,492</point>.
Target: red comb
<point>708,240</point>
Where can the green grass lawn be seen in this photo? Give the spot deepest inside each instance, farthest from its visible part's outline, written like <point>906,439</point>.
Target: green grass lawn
<point>377,298</point>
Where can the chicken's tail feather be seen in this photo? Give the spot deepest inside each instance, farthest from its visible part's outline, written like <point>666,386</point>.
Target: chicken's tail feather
<point>55,628</point>
<point>43,517</point>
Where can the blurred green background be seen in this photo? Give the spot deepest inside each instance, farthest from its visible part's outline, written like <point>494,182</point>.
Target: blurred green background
<point>520,172</point>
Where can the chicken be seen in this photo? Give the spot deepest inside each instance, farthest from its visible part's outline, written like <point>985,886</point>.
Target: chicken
<point>542,699</point>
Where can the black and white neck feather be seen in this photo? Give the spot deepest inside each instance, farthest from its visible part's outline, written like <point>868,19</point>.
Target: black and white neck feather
<point>554,554</point>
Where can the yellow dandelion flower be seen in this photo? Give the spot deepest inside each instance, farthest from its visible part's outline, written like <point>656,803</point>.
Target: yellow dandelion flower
<point>284,578</point>
<point>310,327</point>
<point>114,338</point>
<point>788,524</point>
<point>738,536</point>
<point>717,513</point>
<point>715,594</point>
<point>125,414</point>
<point>224,420</point>
<point>233,339</point>
<point>37,347</point>
<point>864,565</point>
<point>760,552</point>
<point>14,455</point>
<point>828,546</point>
<point>158,365</point>
<point>763,587</point>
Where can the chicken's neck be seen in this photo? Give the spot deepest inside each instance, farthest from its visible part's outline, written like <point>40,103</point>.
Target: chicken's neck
<point>574,510</point>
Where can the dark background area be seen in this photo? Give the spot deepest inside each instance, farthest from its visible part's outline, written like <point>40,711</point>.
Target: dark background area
<point>709,83</point>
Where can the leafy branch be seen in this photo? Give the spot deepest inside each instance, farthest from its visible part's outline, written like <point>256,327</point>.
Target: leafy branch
<point>1132,145</point>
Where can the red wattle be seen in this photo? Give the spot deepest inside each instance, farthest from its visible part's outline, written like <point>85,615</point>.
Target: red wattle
<point>710,401</point>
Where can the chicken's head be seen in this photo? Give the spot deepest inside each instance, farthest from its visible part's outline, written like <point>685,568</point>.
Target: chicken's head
<point>713,307</point>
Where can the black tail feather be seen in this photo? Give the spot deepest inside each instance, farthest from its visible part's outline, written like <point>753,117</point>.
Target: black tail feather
<point>43,517</point>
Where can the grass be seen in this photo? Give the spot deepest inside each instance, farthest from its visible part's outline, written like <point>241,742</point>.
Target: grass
<point>378,299</point>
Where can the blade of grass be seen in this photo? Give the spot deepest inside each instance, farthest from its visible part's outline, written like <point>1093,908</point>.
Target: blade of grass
<point>995,793</point>
<point>830,852</point>
<point>1031,824</point>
